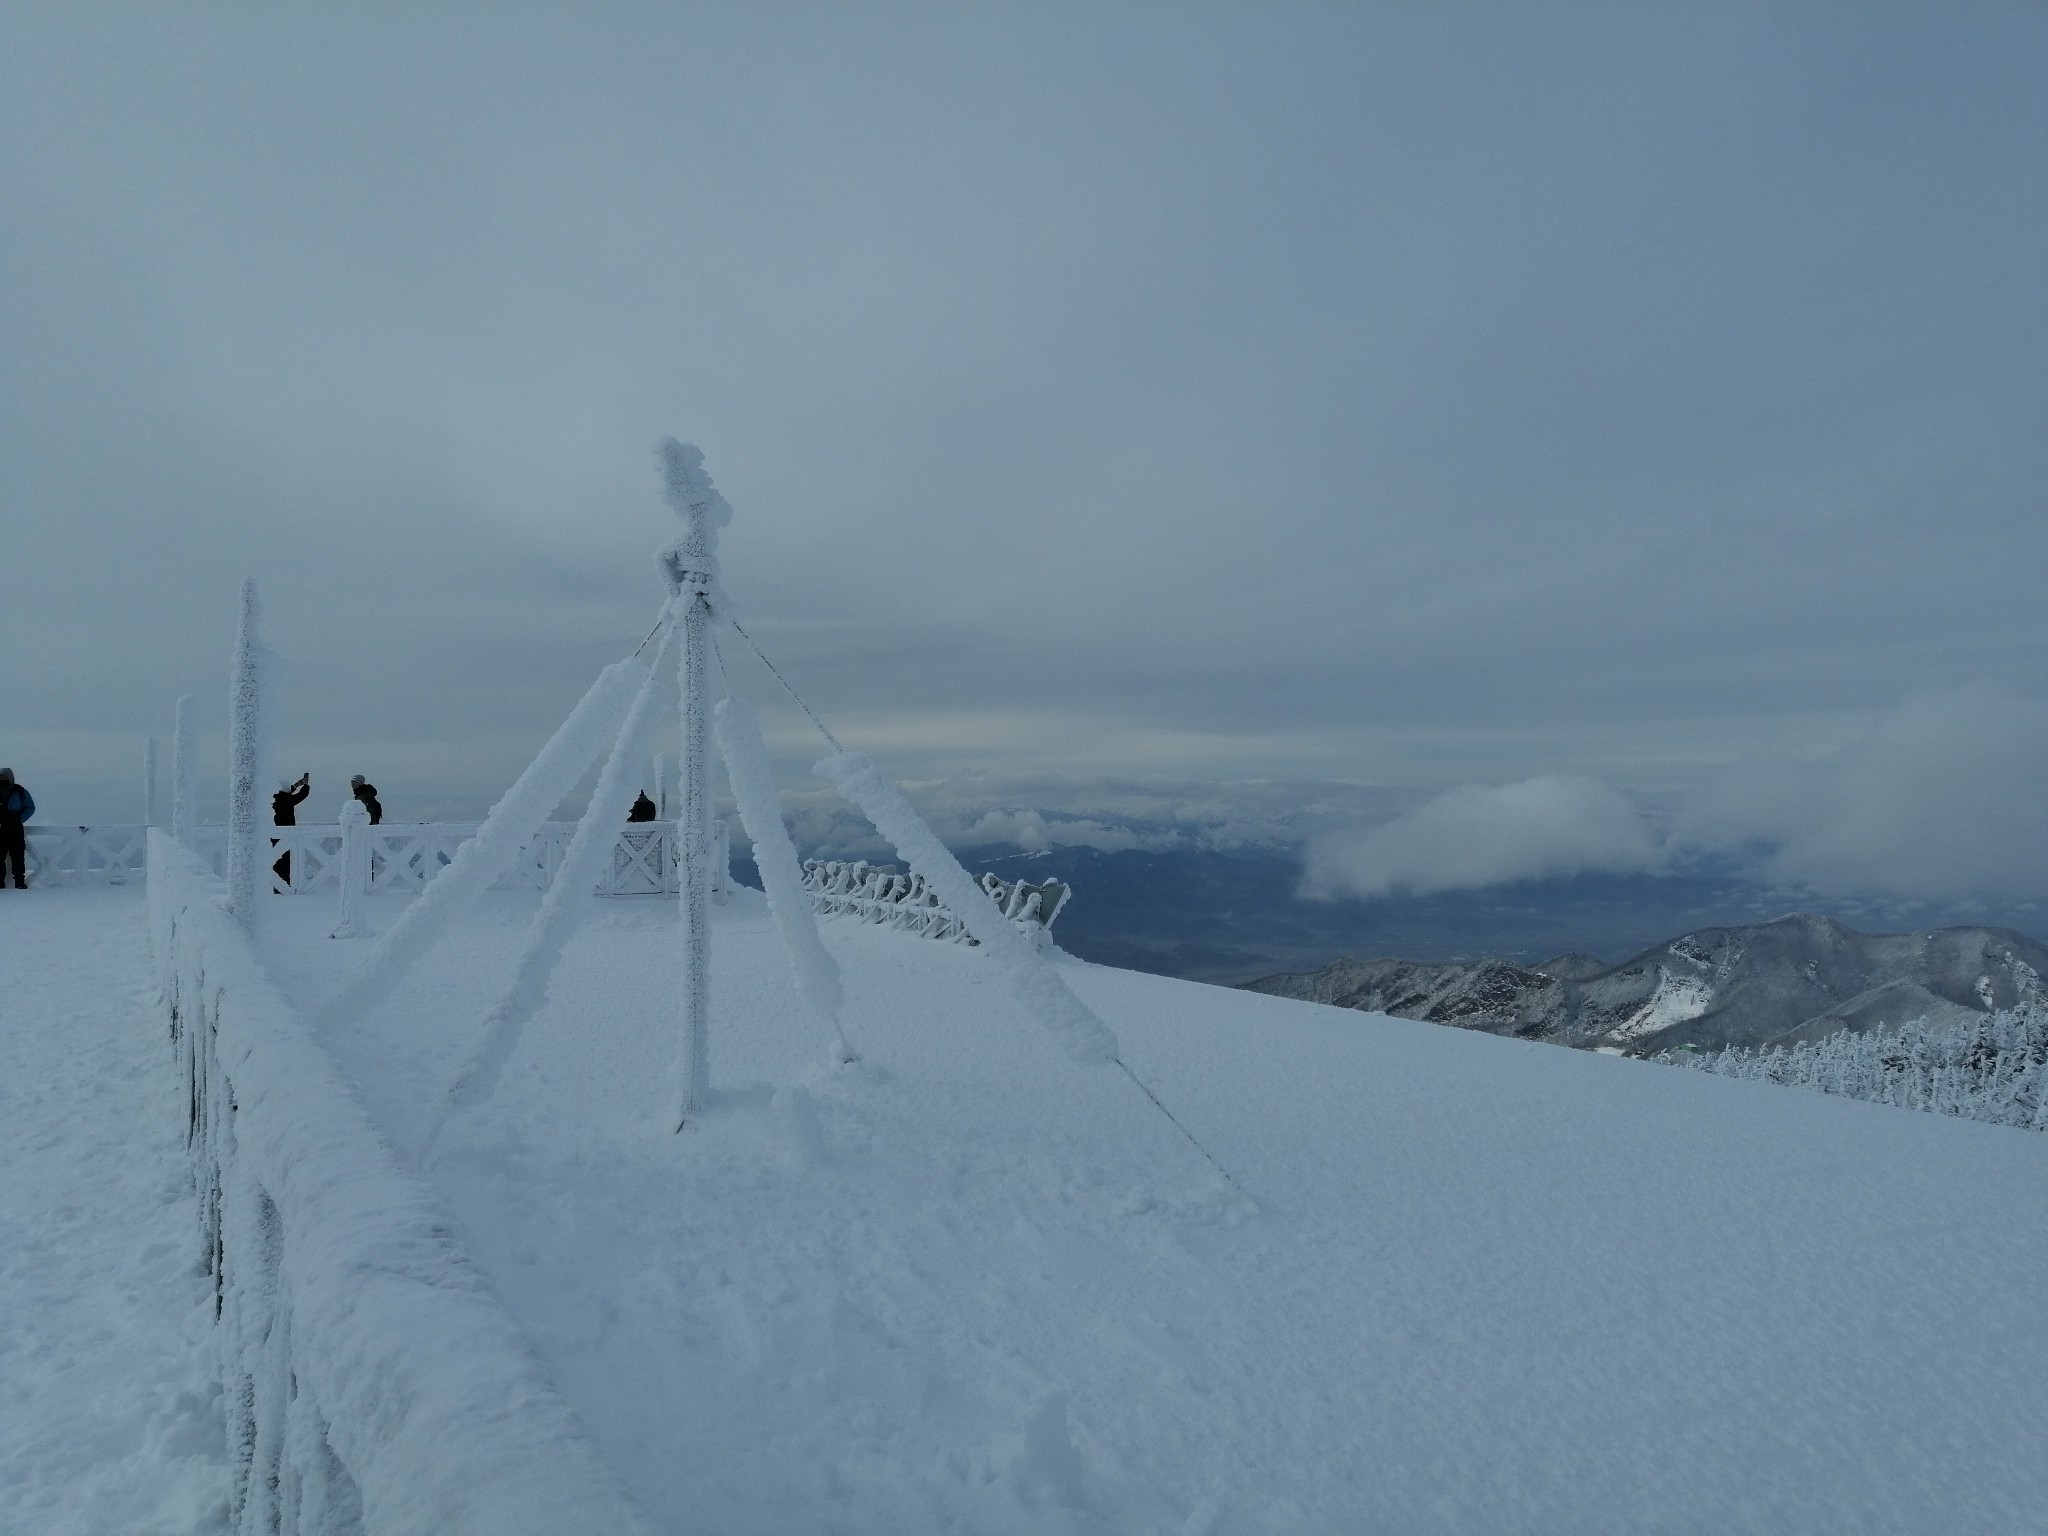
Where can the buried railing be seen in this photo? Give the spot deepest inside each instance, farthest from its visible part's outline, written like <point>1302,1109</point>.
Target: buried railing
<point>881,893</point>
<point>372,1384</point>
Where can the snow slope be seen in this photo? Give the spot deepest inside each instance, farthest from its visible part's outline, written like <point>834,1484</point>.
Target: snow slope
<point>969,1283</point>
<point>110,1424</point>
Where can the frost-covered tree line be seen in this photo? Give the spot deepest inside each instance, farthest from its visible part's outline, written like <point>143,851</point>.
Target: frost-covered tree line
<point>1996,1070</point>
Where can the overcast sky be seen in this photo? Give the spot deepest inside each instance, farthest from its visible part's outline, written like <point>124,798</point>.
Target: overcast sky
<point>1613,411</point>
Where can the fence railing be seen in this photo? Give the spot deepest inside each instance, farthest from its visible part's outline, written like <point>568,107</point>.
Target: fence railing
<point>881,893</point>
<point>102,855</point>
<point>403,856</point>
<point>373,1385</point>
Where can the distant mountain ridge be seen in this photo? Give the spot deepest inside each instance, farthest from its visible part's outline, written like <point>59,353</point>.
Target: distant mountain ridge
<point>1801,977</point>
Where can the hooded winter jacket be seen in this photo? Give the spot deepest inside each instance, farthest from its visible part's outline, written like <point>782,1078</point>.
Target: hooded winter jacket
<point>16,805</point>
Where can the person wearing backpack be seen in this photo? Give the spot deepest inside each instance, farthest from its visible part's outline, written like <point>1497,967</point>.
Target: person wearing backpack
<point>16,806</point>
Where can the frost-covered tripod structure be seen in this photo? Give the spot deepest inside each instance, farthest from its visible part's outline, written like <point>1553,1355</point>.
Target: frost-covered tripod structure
<point>625,710</point>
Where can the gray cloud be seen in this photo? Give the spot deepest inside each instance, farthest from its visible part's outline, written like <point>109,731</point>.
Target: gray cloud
<point>1940,797</point>
<point>1298,394</point>
<point>1479,835</point>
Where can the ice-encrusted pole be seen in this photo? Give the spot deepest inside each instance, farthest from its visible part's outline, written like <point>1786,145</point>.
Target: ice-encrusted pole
<point>149,782</point>
<point>512,823</point>
<point>185,771</point>
<point>691,566</point>
<point>355,868</point>
<point>1038,986</point>
<point>246,844</point>
<point>568,899</point>
<point>782,877</point>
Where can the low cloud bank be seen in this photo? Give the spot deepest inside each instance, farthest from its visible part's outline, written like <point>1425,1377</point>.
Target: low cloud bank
<point>1035,813</point>
<point>1945,796</point>
<point>1479,835</point>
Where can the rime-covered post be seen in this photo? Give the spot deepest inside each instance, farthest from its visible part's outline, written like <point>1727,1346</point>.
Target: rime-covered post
<point>185,771</point>
<point>247,846</point>
<point>691,567</point>
<point>660,770</point>
<point>149,782</point>
<point>355,867</point>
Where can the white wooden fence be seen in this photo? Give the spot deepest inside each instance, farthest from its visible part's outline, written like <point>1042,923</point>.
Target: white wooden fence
<point>403,856</point>
<point>85,855</point>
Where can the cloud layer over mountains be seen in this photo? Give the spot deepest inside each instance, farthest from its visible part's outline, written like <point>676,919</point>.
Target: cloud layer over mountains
<point>1944,796</point>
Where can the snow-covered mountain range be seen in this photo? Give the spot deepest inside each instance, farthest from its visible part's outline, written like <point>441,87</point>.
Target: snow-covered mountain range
<point>1799,978</point>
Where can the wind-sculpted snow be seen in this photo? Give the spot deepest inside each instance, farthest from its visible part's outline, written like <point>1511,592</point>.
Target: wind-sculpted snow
<point>967,1285</point>
<point>373,1383</point>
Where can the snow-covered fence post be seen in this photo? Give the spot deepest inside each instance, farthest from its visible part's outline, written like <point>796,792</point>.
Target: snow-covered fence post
<point>246,843</point>
<point>149,782</point>
<point>355,867</point>
<point>184,771</point>
<point>691,566</point>
<point>660,771</point>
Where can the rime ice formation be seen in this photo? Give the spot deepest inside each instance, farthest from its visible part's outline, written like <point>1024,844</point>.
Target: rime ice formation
<point>511,825</point>
<point>249,729</point>
<point>782,876</point>
<point>569,897</point>
<point>1038,985</point>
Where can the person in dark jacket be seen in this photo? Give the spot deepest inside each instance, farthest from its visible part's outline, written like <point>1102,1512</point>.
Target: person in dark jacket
<point>366,792</point>
<point>643,808</point>
<point>284,812</point>
<point>16,806</point>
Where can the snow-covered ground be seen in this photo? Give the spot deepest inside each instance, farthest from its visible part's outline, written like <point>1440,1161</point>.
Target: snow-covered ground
<point>110,1420</point>
<point>1461,1284</point>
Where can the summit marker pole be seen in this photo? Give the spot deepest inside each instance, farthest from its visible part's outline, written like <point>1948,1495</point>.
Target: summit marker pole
<point>690,565</point>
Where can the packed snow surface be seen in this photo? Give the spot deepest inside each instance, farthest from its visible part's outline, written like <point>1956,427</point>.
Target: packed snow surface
<point>970,1283</point>
<point>110,1418</point>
